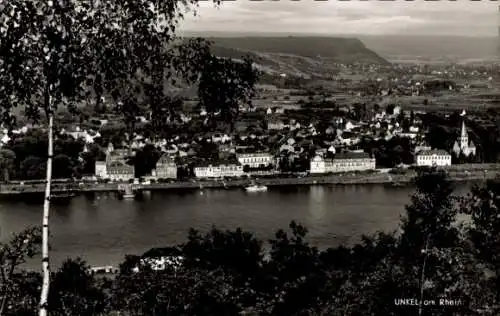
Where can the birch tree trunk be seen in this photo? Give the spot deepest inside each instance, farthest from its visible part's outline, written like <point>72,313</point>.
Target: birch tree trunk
<point>45,221</point>
<point>422,277</point>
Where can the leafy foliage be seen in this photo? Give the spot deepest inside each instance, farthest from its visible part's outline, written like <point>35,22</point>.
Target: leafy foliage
<point>13,281</point>
<point>75,292</point>
<point>225,84</point>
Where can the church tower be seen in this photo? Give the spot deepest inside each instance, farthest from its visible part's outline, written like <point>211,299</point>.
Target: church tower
<point>462,144</point>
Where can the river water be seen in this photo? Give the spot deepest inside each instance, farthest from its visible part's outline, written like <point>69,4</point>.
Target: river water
<point>102,229</point>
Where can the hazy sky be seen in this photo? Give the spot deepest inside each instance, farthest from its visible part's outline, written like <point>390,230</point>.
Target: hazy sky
<point>462,17</point>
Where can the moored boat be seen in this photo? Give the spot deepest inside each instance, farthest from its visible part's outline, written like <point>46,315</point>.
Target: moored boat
<point>126,192</point>
<point>256,188</point>
<point>62,197</point>
<point>128,196</point>
<point>65,195</point>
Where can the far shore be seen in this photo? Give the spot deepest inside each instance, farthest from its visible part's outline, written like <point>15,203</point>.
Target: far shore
<point>458,173</point>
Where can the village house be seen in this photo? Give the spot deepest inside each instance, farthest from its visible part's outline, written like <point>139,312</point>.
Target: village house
<point>137,143</point>
<point>275,124</point>
<point>221,138</point>
<point>219,169</point>
<point>431,158</point>
<point>255,160</point>
<point>86,136</point>
<point>343,162</point>
<point>166,168</point>
<point>279,110</point>
<point>414,129</point>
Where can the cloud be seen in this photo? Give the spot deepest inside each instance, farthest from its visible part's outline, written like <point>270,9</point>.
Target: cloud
<point>348,17</point>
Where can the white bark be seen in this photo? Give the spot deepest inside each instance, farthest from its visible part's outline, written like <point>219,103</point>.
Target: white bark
<point>45,222</point>
<point>422,277</point>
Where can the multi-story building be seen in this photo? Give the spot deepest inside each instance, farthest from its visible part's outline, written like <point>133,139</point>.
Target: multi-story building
<point>119,171</point>
<point>166,168</point>
<point>435,157</point>
<point>115,166</point>
<point>343,162</point>
<point>255,160</point>
<point>219,169</point>
<point>100,169</point>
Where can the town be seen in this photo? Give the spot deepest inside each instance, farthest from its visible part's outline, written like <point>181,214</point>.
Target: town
<point>313,133</point>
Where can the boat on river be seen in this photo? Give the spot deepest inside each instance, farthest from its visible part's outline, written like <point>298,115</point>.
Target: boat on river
<point>62,197</point>
<point>126,191</point>
<point>128,196</point>
<point>254,187</point>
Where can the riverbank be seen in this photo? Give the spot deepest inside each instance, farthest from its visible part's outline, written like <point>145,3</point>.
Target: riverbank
<point>456,173</point>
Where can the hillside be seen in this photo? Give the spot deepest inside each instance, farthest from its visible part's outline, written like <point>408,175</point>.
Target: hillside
<point>307,56</point>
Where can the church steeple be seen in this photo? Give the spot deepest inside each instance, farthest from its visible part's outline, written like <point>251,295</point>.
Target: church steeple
<point>462,144</point>
<point>464,138</point>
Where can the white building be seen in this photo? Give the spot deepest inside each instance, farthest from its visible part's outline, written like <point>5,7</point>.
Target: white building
<point>166,168</point>
<point>343,162</point>
<point>101,169</point>
<point>255,160</point>
<point>118,170</point>
<point>463,145</point>
<point>219,170</point>
<point>431,158</point>
<point>115,166</point>
<point>161,263</point>
<point>396,111</point>
<point>160,259</point>
<point>84,135</point>
<point>221,138</point>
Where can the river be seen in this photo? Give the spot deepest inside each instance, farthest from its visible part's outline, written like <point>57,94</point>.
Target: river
<point>102,229</point>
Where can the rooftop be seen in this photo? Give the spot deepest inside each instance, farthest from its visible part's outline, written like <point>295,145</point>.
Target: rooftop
<point>256,154</point>
<point>217,163</point>
<point>351,155</point>
<point>437,152</point>
<point>166,159</point>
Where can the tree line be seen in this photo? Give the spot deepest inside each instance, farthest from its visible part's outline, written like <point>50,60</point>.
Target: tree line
<point>435,255</point>
<point>65,53</point>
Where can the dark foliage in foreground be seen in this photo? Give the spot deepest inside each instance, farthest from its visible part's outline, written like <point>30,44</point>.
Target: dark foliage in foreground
<point>433,257</point>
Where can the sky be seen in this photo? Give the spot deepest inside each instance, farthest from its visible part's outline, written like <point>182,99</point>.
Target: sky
<point>333,17</point>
